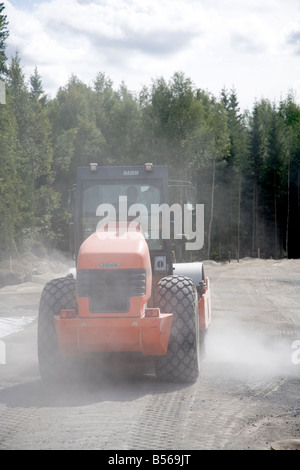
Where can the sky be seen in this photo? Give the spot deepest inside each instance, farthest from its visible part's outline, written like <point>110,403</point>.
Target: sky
<point>251,46</point>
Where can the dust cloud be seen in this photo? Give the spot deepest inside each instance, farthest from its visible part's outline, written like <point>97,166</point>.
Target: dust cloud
<point>255,329</point>
<point>255,353</point>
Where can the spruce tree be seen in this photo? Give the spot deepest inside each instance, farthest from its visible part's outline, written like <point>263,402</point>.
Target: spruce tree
<point>3,36</point>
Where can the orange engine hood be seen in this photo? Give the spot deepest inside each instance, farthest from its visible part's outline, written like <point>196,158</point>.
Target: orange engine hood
<point>117,248</point>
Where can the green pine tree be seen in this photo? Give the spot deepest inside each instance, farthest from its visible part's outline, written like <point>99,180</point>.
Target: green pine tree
<point>3,36</point>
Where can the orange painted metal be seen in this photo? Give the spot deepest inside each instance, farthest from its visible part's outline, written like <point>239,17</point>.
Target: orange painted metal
<point>67,337</point>
<point>141,329</point>
<point>117,248</point>
<point>136,309</point>
<point>204,307</point>
<point>149,335</point>
<point>155,333</point>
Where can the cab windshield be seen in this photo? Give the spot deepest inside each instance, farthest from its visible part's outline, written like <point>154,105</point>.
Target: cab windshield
<point>121,201</point>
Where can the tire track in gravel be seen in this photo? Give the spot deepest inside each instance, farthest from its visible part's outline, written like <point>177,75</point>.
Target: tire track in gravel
<point>167,416</point>
<point>199,417</point>
<point>241,400</point>
<point>256,320</point>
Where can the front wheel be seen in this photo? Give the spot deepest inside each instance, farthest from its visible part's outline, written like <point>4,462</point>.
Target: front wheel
<point>57,294</point>
<point>178,295</point>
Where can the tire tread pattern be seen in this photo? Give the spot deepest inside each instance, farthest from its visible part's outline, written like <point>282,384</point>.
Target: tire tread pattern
<point>178,295</point>
<point>57,294</point>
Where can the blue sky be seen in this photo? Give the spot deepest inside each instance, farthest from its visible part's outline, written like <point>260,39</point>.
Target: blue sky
<point>25,4</point>
<point>251,45</point>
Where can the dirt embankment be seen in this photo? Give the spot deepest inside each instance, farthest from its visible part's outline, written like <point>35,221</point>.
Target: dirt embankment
<point>20,269</point>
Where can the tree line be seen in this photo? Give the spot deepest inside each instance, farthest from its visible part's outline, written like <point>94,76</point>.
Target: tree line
<point>245,165</point>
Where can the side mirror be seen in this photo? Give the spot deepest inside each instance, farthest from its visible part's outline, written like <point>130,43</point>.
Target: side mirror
<point>190,198</point>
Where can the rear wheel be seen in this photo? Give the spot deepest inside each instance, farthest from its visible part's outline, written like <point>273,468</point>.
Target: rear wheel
<point>57,294</point>
<point>178,295</point>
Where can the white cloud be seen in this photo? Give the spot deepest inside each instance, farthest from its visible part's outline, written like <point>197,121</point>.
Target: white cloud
<point>215,42</point>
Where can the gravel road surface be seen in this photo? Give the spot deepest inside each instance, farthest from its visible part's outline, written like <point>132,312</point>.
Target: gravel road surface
<point>247,396</point>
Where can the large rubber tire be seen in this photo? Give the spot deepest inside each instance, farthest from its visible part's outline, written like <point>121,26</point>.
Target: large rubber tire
<point>57,294</point>
<point>178,295</point>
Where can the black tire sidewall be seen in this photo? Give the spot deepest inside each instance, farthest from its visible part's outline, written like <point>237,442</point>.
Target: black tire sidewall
<point>57,294</point>
<point>178,295</point>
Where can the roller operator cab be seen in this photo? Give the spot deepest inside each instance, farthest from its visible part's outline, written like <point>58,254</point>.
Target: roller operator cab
<point>126,295</point>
